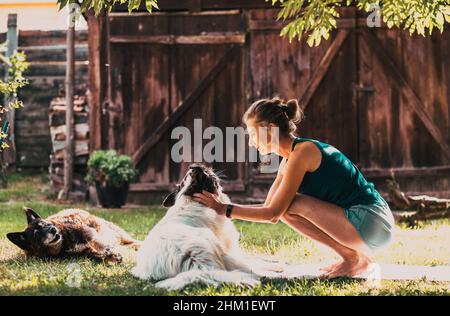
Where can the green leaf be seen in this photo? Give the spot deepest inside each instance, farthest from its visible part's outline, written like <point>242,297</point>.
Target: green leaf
<point>62,4</point>
<point>447,18</point>
<point>149,4</point>
<point>440,18</point>
<point>310,40</point>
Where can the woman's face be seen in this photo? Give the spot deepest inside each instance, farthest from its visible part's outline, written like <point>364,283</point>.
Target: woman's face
<point>260,137</point>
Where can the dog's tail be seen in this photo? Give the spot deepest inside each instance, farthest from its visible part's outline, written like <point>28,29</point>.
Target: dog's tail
<point>209,277</point>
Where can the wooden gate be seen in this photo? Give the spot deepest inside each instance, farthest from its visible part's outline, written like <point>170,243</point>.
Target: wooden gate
<point>362,91</point>
<point>165,71</point>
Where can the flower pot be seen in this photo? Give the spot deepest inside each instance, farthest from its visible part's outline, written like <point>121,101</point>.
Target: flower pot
<point>112,196</point>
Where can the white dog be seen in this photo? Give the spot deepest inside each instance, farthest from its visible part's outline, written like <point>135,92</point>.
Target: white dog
<point>192,243</point>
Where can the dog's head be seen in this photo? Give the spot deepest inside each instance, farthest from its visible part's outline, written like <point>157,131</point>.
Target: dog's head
<point>41,238</point>
<point>198,178</point>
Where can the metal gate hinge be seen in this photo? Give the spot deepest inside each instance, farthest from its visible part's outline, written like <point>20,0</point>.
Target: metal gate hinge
<point>361,88</point>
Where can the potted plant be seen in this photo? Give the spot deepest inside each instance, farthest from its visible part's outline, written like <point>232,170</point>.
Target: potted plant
<point>111,174</point>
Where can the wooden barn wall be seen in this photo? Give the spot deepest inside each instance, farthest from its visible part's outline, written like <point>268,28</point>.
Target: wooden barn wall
<point>393,134</point>
<point>352,97</point>
<point>46,53</point>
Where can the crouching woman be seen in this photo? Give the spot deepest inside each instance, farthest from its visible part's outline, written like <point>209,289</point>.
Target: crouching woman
<point>318,191</point>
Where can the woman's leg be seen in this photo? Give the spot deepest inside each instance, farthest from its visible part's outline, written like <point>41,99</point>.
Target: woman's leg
<point>327,223</point>
<point>305,227</point>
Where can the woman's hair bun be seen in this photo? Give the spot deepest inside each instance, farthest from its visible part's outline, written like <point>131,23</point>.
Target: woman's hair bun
<point>293,111</point>
<point>284,114</point>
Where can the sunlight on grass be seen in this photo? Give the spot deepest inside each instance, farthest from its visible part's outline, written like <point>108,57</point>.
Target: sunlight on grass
<point>20,276</point>
<point>33,188</point>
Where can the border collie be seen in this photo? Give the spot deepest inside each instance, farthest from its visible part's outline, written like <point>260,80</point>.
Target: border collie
<point>192,243</point>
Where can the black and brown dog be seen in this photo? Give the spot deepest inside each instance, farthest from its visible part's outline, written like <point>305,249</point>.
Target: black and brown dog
<point>72,232</point>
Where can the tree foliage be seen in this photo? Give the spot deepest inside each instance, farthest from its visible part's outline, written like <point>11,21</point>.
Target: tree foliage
<point>9,87</point>
<point>316,18</point>
<point>99,5</point>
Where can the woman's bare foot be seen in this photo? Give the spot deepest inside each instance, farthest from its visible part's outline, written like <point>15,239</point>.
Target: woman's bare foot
<point>331,267</point>
<point>351,266</point>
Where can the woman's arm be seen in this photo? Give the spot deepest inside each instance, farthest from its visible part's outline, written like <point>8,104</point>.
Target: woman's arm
<point>276,183</point>
<point>299,162</point>
<point>273,188</point>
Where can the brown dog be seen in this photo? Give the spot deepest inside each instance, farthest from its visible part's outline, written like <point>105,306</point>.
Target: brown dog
<point>72,232</point>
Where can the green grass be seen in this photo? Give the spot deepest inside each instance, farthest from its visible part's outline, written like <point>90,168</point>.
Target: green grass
<point>428,245</point>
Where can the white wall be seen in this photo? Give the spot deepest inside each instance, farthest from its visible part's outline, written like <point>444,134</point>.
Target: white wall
<point>36,15</point>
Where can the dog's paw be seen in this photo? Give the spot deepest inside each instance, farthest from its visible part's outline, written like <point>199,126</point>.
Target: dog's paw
<point>112,256</point>
<point>139,273</point>
<point>248,282</point>
<point>275,268</point>
<point>262,267</point>
<point>168,284</point>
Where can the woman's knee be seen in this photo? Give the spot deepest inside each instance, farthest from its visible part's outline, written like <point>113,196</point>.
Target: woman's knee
<point>293,219</point>
<point>299,206</point>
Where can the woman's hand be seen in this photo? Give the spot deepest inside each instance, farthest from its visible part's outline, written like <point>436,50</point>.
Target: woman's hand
<point>210,200</point>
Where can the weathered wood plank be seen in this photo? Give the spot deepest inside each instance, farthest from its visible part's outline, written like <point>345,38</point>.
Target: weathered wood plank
<point>322,68</point>
<point>276,26</point>
<point>228,186</point>
<point>55,53</point>
<point>159,25</point>
<point>58,118</point>
<point>115,14</point>
<point>30,128</point>
<point>98,78</point>
<point>258,54</point>
<point>407,171</point>
<point>364,100</point>
<point>182,39</point>
<point>55,69</point>
<point>46,38</point>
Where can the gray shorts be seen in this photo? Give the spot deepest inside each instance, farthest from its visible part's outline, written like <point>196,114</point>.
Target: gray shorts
<point>374,223</point>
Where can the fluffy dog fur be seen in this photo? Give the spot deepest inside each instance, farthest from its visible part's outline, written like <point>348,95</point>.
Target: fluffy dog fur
<point>72,232</point>
<point>192,243</point>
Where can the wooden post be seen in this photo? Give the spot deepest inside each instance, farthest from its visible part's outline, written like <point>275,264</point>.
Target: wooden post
<point>9,156</point>
<point>70,78</point>
<point>98,79</point>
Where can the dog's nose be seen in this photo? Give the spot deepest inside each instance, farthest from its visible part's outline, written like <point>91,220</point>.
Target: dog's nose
<point>53,230</point>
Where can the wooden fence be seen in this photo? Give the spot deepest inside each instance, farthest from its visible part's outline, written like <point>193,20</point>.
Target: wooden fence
<point>46,52</point>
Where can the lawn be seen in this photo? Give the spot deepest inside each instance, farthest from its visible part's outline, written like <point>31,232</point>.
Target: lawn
<point>427,244</point>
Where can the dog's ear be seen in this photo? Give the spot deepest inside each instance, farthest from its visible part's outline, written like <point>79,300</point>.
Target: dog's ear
<point>170,199</point>
<point>31,215</point>
<point>18,239</point>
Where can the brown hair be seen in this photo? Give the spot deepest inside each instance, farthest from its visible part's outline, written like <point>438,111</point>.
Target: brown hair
<point>283,114</point>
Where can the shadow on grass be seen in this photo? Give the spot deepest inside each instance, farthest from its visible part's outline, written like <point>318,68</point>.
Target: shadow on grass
<point>34,276</point>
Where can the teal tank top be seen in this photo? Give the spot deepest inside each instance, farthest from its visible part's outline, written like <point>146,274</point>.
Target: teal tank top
<point>337,180</point>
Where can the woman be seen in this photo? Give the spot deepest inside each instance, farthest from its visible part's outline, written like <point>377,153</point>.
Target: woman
<point>318,191</point>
